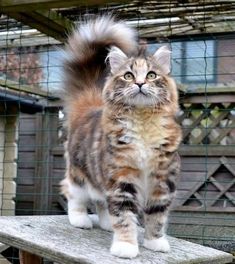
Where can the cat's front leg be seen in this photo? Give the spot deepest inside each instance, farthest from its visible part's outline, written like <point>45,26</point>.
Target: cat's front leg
<point>162,192</point>
<point>123,210</point>
<point>77,208</point>
<point>155,217</point>
<point>104,218</point>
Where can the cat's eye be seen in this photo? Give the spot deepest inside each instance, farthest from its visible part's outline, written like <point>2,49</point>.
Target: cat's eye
<point>151,75</point>
<point>128,76</point>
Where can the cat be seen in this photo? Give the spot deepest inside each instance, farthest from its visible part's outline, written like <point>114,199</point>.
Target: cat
<point>121,151</point>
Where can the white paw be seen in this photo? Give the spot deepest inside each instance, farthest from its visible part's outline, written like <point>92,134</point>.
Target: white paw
<point>104,218</point>
<point>95,219</point>
<point>159,244</point>
<point>102,223</point>
<point>124,249</point>
<point>80,220</point>
<point>105,224</point>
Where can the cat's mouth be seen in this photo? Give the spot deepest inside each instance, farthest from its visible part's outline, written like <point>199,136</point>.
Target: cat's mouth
<point>141,99</point>
<point>143,93</point>
<point>140,92</point>
<point>142,96</point>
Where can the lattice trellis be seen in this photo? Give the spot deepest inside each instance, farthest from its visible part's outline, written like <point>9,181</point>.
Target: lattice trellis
<point>213,124</point>
<point>215,191</point>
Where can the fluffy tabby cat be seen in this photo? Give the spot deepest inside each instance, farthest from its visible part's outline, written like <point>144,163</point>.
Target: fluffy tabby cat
<point>122,135</point>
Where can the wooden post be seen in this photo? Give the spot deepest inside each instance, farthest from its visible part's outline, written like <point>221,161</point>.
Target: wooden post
<point>28,258</point>
<point>46,137</point>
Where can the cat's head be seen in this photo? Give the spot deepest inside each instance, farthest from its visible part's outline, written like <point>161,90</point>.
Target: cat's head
<point>141,81</point>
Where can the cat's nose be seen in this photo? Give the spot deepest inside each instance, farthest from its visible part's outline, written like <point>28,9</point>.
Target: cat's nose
<point>139,84</point>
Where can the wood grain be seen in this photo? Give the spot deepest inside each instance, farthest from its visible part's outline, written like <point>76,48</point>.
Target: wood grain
<point>29,5</point>
<point>54,238</point>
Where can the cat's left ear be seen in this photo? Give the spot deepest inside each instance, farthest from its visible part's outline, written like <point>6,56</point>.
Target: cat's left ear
<point>116,58</point>
<point>163,59</point>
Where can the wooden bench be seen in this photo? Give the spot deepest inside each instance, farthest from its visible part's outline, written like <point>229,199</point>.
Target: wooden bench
<point>53,238</point>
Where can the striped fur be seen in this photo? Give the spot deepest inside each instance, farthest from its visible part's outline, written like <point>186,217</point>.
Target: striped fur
<point>121,147</point>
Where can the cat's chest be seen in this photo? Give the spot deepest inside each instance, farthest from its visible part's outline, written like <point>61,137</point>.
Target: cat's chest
<point>145,139</point>
<point>144,133</point>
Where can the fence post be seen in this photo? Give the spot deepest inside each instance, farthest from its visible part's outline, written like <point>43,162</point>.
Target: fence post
<point>46,137</point>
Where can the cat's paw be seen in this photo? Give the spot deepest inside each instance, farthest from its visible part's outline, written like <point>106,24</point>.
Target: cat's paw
<point>80,220</point>
<point>159,244</point>
<point>124,249</point>
<point>105,224</point>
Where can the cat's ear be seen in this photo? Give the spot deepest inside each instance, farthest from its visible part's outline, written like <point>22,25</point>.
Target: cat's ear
<point>163,59</point>
<point>116,58</point>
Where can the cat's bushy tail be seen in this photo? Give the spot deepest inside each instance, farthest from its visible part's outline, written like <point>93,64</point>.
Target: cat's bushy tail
<point>86,51</point>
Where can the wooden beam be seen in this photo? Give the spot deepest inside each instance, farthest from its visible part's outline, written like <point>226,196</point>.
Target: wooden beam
<point>30,5</point>
<point>48,22</point>
<point>202,99</point>
<point>204,209</point>
<point>26,89</point>
<point>210,150</point>
<point>46,137</point>
<point>208,90</point>
<point>173,31</point>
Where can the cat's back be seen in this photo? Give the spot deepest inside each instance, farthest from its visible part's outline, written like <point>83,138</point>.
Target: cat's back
<point>84,136</point>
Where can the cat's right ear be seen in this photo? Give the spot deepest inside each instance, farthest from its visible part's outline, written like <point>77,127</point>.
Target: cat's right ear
<point>116,59</point>
<point>163,59</point>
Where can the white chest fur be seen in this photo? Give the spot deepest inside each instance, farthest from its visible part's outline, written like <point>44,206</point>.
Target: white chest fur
<point>145,136</point>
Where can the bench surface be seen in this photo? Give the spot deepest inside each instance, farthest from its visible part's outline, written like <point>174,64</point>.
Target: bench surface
<point>52,237</point>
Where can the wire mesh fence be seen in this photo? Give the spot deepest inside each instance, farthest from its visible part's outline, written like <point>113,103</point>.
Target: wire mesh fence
<point>32,134</point>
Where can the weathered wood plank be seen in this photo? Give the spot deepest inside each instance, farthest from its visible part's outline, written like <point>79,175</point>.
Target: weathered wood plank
<point>25,176</point>
<point>25,88</point>
<point>45,137</point>
<point>202,218</point>
<point>220,210</point>
<point>48,22</point>
<point>226,98</point>
<point>54,238</point>
<point>207,150</point>
<point>23,5</point>
<point>27,160</point>
<point>197,164</point>
<point>209,90</point>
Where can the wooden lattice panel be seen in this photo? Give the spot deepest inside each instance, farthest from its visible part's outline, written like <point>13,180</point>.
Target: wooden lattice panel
<point>214,190</point>
<point>213,124</point>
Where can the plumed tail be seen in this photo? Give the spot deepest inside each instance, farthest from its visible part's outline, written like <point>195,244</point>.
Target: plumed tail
<point>86,51</point>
